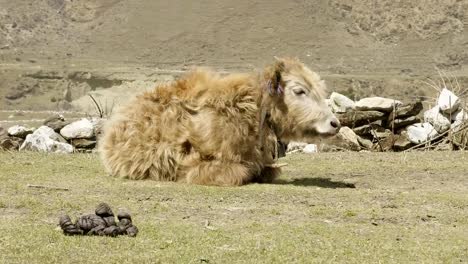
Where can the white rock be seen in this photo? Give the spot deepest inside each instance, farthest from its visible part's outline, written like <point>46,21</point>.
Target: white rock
<point>459,115</point>
<point>296,146</point>
<point>79,129</point>
<point>439,121</point>
<point>20,131</point>
<point>44,139</point>
<point>421,132</point>
<point>448,102</point>
<point>340,103</point>
<point>377,103</point>
<point>310,148</point>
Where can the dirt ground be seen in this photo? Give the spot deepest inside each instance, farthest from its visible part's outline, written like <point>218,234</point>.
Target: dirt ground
<point>327,207</point>
<point>54,52</point>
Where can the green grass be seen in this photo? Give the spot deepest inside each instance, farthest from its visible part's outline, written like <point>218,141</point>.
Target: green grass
<point>329,207</point>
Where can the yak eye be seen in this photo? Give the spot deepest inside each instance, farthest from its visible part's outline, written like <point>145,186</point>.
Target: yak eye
<point>299,91</point>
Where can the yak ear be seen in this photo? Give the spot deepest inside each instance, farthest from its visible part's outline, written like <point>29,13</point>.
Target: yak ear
<point>273,74</point>
<point>277,79</point>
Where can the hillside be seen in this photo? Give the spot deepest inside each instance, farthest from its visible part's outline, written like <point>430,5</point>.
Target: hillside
<point>54,52</point>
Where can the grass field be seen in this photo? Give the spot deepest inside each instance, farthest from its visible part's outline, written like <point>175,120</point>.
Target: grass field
<point>329,207</point>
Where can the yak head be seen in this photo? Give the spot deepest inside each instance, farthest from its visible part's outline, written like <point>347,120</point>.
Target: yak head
<point>296,102</point>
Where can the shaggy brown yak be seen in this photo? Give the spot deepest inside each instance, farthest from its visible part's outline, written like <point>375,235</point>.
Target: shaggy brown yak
<point>217,130</point>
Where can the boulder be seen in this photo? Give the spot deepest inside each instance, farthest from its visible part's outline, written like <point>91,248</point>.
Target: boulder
<point>79,129</point>
<point>448,102</point>
<point>439,121</point>
<point>56,122</point>
<point>359,118</point>
<point>345,139</point>
<point>20,131</point>
<point>10,143</point>
<point>412,109</point>
<point>44,139</point>
<point>421,132</point>
<point>340,103</point>
<point>310,148</point>
<point>406,121</point>
<point>402,142</point>
<point>377,104</point>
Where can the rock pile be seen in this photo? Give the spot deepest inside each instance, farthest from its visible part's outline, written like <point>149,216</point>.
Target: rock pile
<point>55,135</point>
<point>383,124</point>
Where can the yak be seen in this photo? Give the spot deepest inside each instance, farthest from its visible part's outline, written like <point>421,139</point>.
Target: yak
<point>217,129</point>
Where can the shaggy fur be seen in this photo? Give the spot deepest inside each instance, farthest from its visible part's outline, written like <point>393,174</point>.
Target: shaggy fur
<point>204,128</point>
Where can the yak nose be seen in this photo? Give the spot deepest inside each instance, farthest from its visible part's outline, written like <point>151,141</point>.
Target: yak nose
<point>335,123</point>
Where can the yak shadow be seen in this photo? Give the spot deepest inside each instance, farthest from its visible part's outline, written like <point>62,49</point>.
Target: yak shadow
<point>318,182</point>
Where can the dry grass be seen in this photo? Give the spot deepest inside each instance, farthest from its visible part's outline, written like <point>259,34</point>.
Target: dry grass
<point>404,207</point>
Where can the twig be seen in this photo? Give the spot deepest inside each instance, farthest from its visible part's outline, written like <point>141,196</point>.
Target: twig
<point>209,227</point>
<point>375,135</point>
<point>47,187</point>
<point>393,117</point>
<point>98,107</point>
<point>276,165</point>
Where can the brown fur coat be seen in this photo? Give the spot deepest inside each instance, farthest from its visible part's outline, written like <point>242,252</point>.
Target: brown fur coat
<point>202,129</point>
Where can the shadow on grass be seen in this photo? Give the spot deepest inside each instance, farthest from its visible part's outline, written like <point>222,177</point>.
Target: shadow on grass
<point>318,182</point>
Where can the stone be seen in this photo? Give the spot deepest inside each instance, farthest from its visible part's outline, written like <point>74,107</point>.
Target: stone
<point>310,148</point>
<point>386,144</point>
<point>359,118</point>
<point>56,122</point>
<point>20,131</point>
<point>44,139</point>
<point>79,129</point>
<point>98,124</point>
<point>412,109</point>
<point>367,130</point>
<point>365,143</point>
<point>421,132</point>
<point>10,143</point>
<point>345,139</point>
<point>377,104</point>
<point>382,134</point>
<point>406,121</point>
<point>295,146</point>
<point>439,121</point>
<point>340,103</point>
<point>83,143</point>
<point>402,142</point>
<point>448,102</point>
<point>459,115</point>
